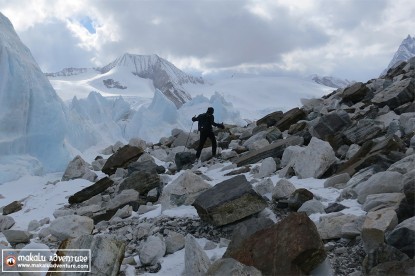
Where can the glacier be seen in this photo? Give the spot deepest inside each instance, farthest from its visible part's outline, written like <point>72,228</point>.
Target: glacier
<point>32,116</point>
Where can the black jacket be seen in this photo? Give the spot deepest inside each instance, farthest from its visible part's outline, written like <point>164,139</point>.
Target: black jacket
<point>206,121</point>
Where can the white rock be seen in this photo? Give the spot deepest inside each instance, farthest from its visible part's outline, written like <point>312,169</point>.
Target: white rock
<point>126,196</point>
<point>152,250</point>
<point>183,190</point>
<point>312,207</point>
<point>78,168</point>
<point>264,187</point>
<point>6,222</point>
<point>314,161</point>
<point>71,226</point>
<point>283,189</point>
<point>268,166</point>
<point>196,262</point>
<point>289,154</point>
<point>382,182</point>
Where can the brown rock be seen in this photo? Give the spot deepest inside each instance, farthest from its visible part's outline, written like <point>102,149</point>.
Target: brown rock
<point>122,158</point>
<point>290,247</point>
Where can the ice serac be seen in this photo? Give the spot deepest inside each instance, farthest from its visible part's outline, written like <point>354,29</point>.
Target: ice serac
<point>165,76</point>
<point>32,116</point>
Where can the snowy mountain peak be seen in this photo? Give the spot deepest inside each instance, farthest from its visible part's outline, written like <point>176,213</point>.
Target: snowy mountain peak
<point>165,76</point>
<point>331,81</point>
<point>405,51</point>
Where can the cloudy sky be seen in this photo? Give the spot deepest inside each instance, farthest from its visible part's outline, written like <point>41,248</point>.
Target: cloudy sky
<point>353,39</point>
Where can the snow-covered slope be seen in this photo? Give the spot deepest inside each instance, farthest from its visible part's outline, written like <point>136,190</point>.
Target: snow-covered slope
<point>331,81</point>
<point>32,116</point>
<point>405,51</point>
<point>137,75</point>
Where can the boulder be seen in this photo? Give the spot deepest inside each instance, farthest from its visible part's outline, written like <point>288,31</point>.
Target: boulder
<point>283,190</point>
<point>382,182</point>
<point>275,149</point>
<point>403,237</point>
<point>407,122</point>
<point>71,226</point>
<point>362,131</point>
<point>106,253</point>
<point>409,187</point>
<point>372,153</point>
<point>330,226</point>
<point>270,119</point>
<point>152,250</point>
<point>123,198</point>
<point>290,117</point>
<point>394,268</point>
<point>183,190</point>
<point>143,165</point>
<point>196,262</point>
<point>184,160</point>
<point>78,168</point>
<point>404,165</point>
<point>265,186</point>
<point>122,158</point>
<point>290,154</point>
<point>398,93</point>
<point>328,125</point>
<point>315,160</point>
<point>268,166</point>
<point>174,242</point>
<point>355,93</point>
<point>229,201</point>
<point>141,181</point>
<point>13,207</point>
<point>229,266</point>
<point>298,198</point>
<point>6,222</point>
<point>17,236</point>
<point>337,181</point>
<point>312,206</point>
<point>90,191</point>
<point>376,224</point>
<point>380,256</point>
<point>385,200</point>
<point>290,247</point>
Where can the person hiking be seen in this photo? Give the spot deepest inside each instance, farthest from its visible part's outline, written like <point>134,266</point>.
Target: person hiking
<point>206,121</point>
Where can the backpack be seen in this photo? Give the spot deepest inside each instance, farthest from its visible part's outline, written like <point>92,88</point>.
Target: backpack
<point>203,122</point>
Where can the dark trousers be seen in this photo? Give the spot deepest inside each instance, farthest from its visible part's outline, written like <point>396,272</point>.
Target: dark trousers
<point>203,137</point>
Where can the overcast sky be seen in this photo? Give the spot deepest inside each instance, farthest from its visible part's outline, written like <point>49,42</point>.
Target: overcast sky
<point>353,39</point>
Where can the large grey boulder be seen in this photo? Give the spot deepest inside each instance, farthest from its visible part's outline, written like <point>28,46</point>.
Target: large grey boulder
<point>107,254</point>
<point>403,237</point>
<point>313,206</point>
<point>183,190</point>
<point>331,226</point>
<point>78,168</point>
<point>398,93</point>
<point>382,182</point>
<point>328,125</point>
<point>376,225</point>
<point>363,130</point>
<point>174,242</point>
<point>355,93</point>
<point>385,200</point>
<point>404,165</point>
<point>141,181</point>
<point>184,160</point>
<point>315,160</point>
<point>196,262</point>
<point>152,250</point>
<point>123,198</point>
<point>407,122</point>
<point>71,226</point>
<point>229,201</point>
<point>337,181</point>
<point>17,236</point>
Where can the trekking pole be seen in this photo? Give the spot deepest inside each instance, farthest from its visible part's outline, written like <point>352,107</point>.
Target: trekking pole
<point>188,136</point>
